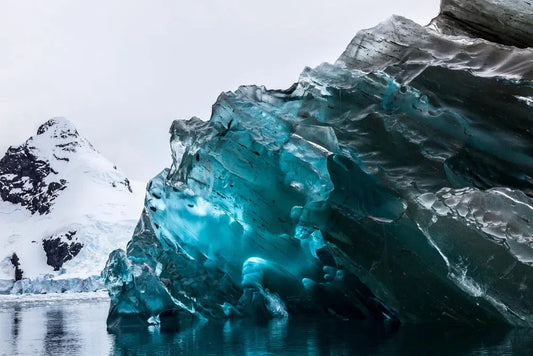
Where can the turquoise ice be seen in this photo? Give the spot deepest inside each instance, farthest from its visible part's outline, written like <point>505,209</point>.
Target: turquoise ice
<point>396,189</point>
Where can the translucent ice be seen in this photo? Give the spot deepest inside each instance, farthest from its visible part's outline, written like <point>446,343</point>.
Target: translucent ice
<point>394,185</point>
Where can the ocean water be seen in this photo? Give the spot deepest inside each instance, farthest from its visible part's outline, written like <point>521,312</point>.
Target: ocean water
<point>77,327</point>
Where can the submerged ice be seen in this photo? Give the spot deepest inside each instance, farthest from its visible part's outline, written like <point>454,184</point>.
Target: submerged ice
<point>395,185</point>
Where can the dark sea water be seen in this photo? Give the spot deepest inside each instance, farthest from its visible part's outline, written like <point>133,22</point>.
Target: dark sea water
<point>70,327</point>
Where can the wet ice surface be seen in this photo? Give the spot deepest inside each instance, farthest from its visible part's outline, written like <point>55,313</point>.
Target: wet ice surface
<point>395,184</point>
<point>77,327</point>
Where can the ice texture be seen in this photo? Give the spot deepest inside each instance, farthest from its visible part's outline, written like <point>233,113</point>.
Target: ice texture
<point>395,185</point>
<point>502,21</point>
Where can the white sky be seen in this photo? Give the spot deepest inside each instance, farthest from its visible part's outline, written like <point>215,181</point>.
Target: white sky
<point>123,70</point>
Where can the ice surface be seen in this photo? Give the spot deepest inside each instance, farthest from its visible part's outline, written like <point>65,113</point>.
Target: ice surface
<point>502,21</point>
<point>395,184</point>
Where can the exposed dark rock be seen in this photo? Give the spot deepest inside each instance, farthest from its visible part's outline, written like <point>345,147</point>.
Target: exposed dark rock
<point>27,179</point>
<point>22,180</point>
<point>61,158</point>
<point>125,182</point>
<point>61,248</point>
<point>15,262</point>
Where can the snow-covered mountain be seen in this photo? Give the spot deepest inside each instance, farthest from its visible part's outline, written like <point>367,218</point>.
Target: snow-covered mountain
<point>63,208</point>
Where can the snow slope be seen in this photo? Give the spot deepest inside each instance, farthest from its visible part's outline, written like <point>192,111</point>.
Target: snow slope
<point>63,208</point>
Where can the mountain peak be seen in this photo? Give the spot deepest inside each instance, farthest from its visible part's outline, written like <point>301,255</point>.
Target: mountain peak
<point>59,133</point>
<point>58,127</point>
<point>34,173</point>
<point>63,208</point>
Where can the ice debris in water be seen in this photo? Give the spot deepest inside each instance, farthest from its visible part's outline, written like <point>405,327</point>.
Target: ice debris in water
<point>395,185</point>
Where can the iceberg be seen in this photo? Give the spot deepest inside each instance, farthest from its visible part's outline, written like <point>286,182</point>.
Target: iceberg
<point>393,185</point>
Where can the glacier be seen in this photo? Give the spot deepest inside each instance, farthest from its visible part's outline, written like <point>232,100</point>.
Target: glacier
<point>393,185</point>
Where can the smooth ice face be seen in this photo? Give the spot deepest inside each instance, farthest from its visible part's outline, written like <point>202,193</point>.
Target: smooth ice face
<point>506,22</point>
<point>398,190</point>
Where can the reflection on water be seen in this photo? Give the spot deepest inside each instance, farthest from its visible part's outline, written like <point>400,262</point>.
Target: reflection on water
<point>59,339</point>
<point>78,328</point>
<point>58,328</point>
<point>242,337</point>
<point>15,323</point>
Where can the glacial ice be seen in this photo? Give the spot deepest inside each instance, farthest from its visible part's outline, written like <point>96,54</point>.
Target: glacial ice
<point>395,184</point>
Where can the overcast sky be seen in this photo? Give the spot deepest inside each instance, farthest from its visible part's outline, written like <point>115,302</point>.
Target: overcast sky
<point>121,71</point>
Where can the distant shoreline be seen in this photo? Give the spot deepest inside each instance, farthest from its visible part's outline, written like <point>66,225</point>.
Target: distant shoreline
<point>10,300</point>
